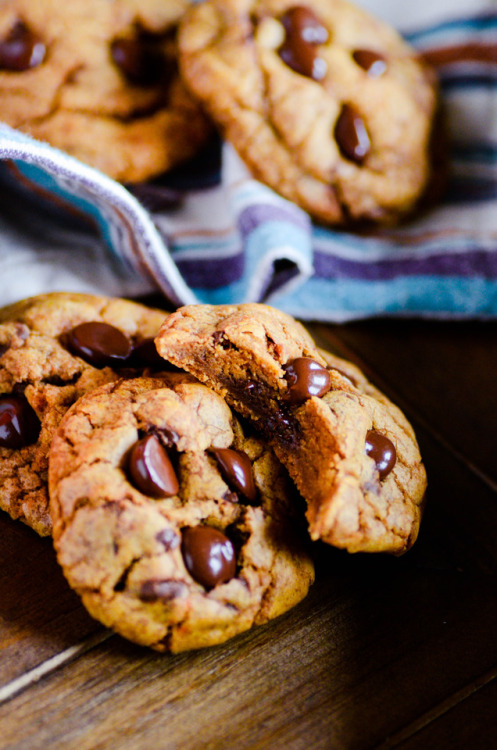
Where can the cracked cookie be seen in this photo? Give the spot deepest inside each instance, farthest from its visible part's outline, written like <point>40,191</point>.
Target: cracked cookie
<point>176,528</point>
<point>324,103</point>
<point>53,349</point>
<point>351,452</point>
<point>99,80</point>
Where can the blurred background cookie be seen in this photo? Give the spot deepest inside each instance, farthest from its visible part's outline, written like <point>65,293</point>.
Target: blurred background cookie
<point>99,80</point>
<point>324,103</point>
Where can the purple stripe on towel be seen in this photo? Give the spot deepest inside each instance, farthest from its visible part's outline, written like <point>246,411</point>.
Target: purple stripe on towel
<point>257,213</point>
<point>467,264</point>
<point>210,273</point>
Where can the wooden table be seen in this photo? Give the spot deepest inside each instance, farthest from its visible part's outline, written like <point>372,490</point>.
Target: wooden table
<point>385,652</point>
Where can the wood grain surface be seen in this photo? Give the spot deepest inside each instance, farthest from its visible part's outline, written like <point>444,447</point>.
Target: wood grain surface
<point>384,652</point>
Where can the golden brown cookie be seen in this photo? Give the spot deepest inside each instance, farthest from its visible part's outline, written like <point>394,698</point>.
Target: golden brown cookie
<point>99,79</point>
<point>53,349</point>
<point>324,103</point>
<point>351,452</point>
<point>176,529</point>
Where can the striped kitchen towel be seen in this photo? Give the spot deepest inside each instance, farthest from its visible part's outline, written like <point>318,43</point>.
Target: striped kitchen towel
<point>211,233</point>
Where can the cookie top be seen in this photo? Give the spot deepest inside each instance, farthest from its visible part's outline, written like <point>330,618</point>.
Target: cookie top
<point>351,452</point>
<point>47,361</point>
<point>99,79</point>
<point>175,528</point>
<point>325,104</point>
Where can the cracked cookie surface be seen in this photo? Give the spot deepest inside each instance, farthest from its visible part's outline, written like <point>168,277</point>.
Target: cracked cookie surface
<point>99,79</point>
<point>324,103</point>
<point>351,452</point>
<point>40,377</point>
<point>175,527</point>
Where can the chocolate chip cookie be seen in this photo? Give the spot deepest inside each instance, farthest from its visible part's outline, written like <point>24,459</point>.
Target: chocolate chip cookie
<point>99,79</point>
<point>54,348</point>
<point>175,527</point>
<point>324,103</point>
<point>351,452</point>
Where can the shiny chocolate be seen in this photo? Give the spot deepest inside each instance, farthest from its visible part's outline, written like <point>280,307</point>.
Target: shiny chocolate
<point>304,33</point>
<point>382,451</point>
<point>209,555</point>
<point>99,344</point>
<point>351,135</point>
<point>236,469</point>
<point>372,62</point>
<point>21,49</point>
<point>150,468</point>
<point>19,425</point>
<point>306,378</point>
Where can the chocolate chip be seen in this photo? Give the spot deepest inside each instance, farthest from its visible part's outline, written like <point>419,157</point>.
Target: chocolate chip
<point>351,135</point>
<point>304,32</point>
<point>382,451</point>
<point>151,469</point>
<point>151,591</point>
<point>168,538</point>
<point>306,378</point>
<point>372,62</point>
<point>19,425</point>
<point>140,62</point>
<point>21,49</point>
<point>236,468</point>
<point>145,354</point>
<point>99,344</point>
<point>209,555</point>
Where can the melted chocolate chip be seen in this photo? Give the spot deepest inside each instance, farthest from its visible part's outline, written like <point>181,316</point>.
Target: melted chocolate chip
<point>151,469</point>
<point>372,62</point>
<point>19,425</point>
<point>151,591</point>
<point>306,378</point>
<point>168,538</point>
<point>304,32</point>
<point>145,354</point>
<point>209,555</point>
<point>21,49</point>
<point>99,344</point>
<point>236,468</point>
<point>351,135</point>
<point>138,60</point>
<point>382,451</point>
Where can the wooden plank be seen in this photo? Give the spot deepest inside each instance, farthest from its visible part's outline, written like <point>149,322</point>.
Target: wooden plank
<point>319,677</point>
<point>40,615</point>
<point>471,723</point>
<point>374,632</point>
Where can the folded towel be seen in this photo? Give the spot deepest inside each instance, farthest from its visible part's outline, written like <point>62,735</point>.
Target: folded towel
<point>230,239</point>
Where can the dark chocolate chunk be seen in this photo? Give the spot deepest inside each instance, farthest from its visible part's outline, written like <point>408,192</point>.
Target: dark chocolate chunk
<point>382,451</point>
<point>351,135</point>
<point>236,468</point>
<point>99,344</point>
<point>21,49</point>
<point>151,591</point>
<point>145,354</point>
<point>304,33</point>
<point>139,61</point>
<point>19,425</point>
<point>209,555</point>
<point>168,538</point>
<point>372,62</point>
<point>306,378</point>
<point>151,469</point>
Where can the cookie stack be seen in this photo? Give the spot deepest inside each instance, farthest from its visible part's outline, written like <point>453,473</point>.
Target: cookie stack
<point>324,103</point>
<point>159,452</point>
